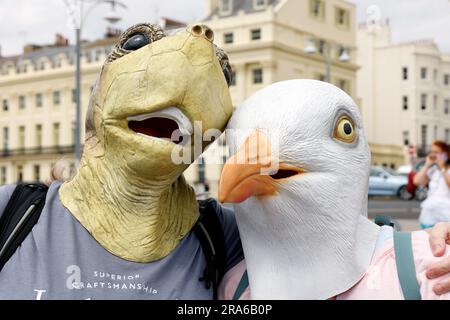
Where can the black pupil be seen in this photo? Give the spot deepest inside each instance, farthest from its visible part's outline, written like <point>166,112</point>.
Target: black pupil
<point>135,42</point>
<point>347,128</point>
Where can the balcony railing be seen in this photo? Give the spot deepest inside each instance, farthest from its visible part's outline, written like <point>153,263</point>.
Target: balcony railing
<point>37,151</point>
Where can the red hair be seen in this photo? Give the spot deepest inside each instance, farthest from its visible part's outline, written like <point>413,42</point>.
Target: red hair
<point>443,146</point>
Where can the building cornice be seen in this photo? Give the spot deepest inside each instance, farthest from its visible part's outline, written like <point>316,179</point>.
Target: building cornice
<point>276,45</point>
<point>34,77</point>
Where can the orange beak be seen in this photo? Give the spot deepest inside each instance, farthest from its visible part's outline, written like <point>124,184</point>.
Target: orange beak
<point>242,176</point>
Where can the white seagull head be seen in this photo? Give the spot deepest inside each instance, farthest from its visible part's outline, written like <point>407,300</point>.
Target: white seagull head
<point>304,222</point>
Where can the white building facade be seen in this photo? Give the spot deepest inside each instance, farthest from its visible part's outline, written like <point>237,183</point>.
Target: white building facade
<point>405,94</point>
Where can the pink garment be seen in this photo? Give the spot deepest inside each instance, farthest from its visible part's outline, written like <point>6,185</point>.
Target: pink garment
<point>380,281</point>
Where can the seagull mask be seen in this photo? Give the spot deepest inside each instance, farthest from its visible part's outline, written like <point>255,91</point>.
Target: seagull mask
<point>304,228</point>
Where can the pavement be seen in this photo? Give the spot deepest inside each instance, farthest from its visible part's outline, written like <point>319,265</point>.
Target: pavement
<point>405,213</point>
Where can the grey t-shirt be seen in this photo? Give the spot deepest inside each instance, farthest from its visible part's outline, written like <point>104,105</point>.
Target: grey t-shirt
<point>59,259</point>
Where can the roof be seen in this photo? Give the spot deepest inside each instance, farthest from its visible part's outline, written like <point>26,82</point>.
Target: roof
<point>245,5</point>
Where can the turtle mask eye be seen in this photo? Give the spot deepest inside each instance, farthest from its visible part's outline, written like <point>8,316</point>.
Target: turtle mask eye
<point>136,42</point>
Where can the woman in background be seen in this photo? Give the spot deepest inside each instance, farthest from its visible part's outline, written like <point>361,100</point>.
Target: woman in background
<point>435,173</point>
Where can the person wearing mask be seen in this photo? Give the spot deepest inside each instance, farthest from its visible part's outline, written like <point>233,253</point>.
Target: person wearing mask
<point>436,174</point>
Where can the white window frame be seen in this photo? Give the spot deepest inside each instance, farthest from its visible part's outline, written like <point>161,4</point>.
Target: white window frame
<point>222,11</point>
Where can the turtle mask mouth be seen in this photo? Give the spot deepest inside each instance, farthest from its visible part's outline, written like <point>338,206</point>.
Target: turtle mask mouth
<point>169,124</point>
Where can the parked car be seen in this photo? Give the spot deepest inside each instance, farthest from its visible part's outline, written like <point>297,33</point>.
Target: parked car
<point>384,183</point>
<point>420,193</point>
<point>404,170</point>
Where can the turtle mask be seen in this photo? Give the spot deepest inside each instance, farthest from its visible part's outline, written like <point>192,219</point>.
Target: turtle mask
<point>128,192</point>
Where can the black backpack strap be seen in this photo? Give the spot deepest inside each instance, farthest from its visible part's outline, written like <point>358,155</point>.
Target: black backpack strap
<point>209,231</point>
<point>20,215</point>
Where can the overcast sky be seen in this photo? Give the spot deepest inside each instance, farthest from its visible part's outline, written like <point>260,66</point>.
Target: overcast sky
<point>36,21</point>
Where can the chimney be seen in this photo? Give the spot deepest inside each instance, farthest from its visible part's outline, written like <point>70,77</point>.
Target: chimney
<point>31,48</point>
<point>60,40</point>
<point>113,33</point>
<point>210,5</point>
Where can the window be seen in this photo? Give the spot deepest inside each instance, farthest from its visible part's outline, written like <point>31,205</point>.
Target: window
<point>435,132</point>
<point>98,55</point>
<point>435,102</point>
<point>317,8</point>
<point>423,73</point>
<point>5,105</point>
<point>228,37</point>
<point>38,100</point>
<point>340,51</point>
<point>88,56</point>
<point>19,173</point>
<point>423,101</point>
<point>74,128</point>
<point>344,85</point>
<point>405,73</point>
<point>233,78</point>
<point>256,34</point>
<point>321,46</point>
<point>447,135</point>
<point>22,102</point>
<point>5,138</point>
<point>56,127</point>
<point>446,106</point>
<point>446,79</point>
<point>56,98</point>
<point>259,4</point>
<point>74,95</point>
<point>342,17</point>
<point>225,6</point>
<point>405,102</point>
<point>257,76</point>
<point>375,172</point>
<point>424,130</point>
<point>36,172</point>
<point>3,175</point>
<point>72,168</point>
<point>21,142</point>
<point>405,138</point>
<point>38,135</point>
<point>320,77</point>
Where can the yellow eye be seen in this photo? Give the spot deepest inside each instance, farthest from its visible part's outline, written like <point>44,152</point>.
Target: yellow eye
<point>345,130</point>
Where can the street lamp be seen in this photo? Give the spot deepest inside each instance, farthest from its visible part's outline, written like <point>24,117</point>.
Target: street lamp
<point>78,16</point>
<point>311,49</point>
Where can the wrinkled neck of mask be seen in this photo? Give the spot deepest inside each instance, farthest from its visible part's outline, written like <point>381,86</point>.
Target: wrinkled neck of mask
<point>308,250</point>
<point>110,201</point>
